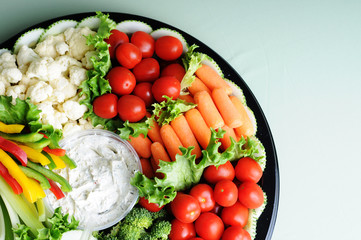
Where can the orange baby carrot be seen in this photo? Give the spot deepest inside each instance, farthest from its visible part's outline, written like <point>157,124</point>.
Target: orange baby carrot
<point>198,86</point>
<point>147,168</point>
<point>208,109</point>
<point>212,79</point>
<point>247,128</point>
<point>188,98</point>
<point>159,153</point>
<point>185,134</point>
<point>154,133</point>
<point>226,141</point>
<point>199,127</point>
<point>141,145</point>
<point>231,116</point>
<point>171,141</point>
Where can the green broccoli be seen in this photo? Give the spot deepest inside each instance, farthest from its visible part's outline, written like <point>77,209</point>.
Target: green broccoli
<point>161,229</point>
<point>139,217</point>
<point>160,215</point>
<point>130,232</point>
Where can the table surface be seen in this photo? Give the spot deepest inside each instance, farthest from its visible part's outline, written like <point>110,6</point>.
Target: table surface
<point>301,60</point>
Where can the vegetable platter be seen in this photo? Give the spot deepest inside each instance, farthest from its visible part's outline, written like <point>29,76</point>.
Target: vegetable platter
<point>114,77</point>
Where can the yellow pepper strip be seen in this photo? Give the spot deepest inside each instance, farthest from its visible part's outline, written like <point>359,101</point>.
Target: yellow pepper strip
<point>11,128</point>
<point>29,191</point>
<point>39,191</point>
<point>58,161</point>
<point>34,155</point>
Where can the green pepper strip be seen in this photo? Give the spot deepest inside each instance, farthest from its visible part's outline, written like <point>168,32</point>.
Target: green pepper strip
<point>23,137</point>
<point>68,161</point>
<point>52,164</point>
<point>31,173</point>
<point>39,144</point>
<point>65,186</point>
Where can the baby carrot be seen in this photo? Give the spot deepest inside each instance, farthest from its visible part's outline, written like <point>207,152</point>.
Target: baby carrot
<point>198,86</point>
<point>226,141</point>
<point>247,128</point>
<point>188,98</point>
<point>147,168</point>
<point>208,109</point>
<point>185,134</point>
<point>212,79</point>
<point>171,141</point>
<point>199,127</point>
<point>228,111</point>
<point>154,132</point>
<point>141,145</point>
<point>158,153</point>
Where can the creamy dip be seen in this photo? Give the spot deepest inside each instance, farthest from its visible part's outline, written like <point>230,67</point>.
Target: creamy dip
<point>102,192</point>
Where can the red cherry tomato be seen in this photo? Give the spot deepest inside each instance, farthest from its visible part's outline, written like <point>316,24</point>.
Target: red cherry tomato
<point>105,106</point>
<point>168,48</point>
<point>153,207</point>
<point>248,169</point>
<point>196,238</point>
<point>147,70</point>
<point>131,108</point>
<point>235,215</point>
<point>209,226</point>
<point>236,233</point>
<point>128,55</point>
<point>121,80</point>
<point>168,86</point>
<point>185,208</point>
<point>217,209</point>
<point>225,193</point>
<point>250,195</point>
<point>144,91</point>
<point>225,171</point>
<point>144,42</point>
<point>204,194</point>
<point>115,39</point>
<point>174,70</point>
<point>181,230</point>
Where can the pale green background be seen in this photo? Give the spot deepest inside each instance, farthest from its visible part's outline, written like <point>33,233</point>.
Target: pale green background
<point>302,61</point>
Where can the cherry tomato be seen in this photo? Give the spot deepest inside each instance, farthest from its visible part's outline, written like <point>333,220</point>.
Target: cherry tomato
<point>225,193</point>
<point>131,108</point>
<point>209,226</point>
<point>147,168</point>
<point>121,80</point>
<point>204,195</point>
<point>181,230</point>
<point>248,169</point>
<point>153,207</point>
<point>105,106</point>
<point>235,215</point>
<point>168,86</point>
<point>217,209</point>
<point>196,238</point>
<point>168,48</point>
<point>144,42</point>
<point>250,195</point>
<point>225,171</point>
<point>144,91</point>
<point>174,70</point>
<point>128,55</point>
<point>147,70</point>
<point>185,208</point>
<point>115,39</point>
<point>236,233</point>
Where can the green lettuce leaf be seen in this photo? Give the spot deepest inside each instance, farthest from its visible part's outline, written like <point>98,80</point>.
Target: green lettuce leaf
<point>135,129</point>
<point>166,111</point>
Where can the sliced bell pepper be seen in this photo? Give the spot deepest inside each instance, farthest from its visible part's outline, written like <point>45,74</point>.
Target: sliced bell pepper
<point>11,128</point>
<point>37,188</point>
<point>31,173</point>
<point>14,149</point>
<point>56,151</point>
<point>10,180</point>
<point>14,170</point>
<point>51,163</point>
<point>35,155</point>
<point>39,144</point>
<point>68,161</point>
<point>23,137</point>
<point>60,164</point>
<point>56,190</point>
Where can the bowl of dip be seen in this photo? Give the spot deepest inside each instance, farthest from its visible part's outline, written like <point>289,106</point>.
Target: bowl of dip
<point>101,193</point>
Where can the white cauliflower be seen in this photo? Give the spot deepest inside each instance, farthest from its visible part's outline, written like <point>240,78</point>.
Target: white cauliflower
<point>51,116</point>
<point>74,110</point>
<point>47,48</point>
<point>2,88</point>
<point>39,92</point>
<point>86,60</point>
<point>11,75</point>
<point>7,60</point>
<point>44,69</point>
<point>65,62</point>
<point>16,91</point>
<point>62,48</point>
<point>25,56</point>
<point>77,75</point>
<point>70,128</point>
<point>76,39</point>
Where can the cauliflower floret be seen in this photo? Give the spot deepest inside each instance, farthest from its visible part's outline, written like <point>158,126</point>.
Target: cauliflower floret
<point>66,62</point>
<point>85,124</point>
<point>86,61</point>
<point>70,128</point>
<point>49,115</point>
<point>74,110</point>
<point>47,48</point>
<point>62,48</point>
<point>2,88</point>
<point>25,56</point>
<point>11,75</point>
<point>16,91</point>
<point>44,69</point>
<point>76,39</point>
<point>28,81</point>
<point>77,75</point>
<point>7,60</point>
<point>39,92</point>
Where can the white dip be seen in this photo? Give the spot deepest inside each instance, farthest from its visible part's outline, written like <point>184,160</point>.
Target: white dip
<point>101,181</point>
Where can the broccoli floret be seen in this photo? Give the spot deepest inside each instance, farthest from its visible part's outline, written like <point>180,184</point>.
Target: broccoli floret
<point>139,217</point>
<point>160,230</point>
<point>160,215</point>
<point>130,232</point>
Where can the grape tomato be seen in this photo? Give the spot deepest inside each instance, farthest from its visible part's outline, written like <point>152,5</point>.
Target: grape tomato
<point>131,108</point>
<point>168,86</point>
<point>174,70</point>
<point>144,42</point>
<point>105,106</point>
<point>121,80</point>
<point>147,70</point>
<point>115,39</point>
<point>128,55</point>
<point>168,48</point>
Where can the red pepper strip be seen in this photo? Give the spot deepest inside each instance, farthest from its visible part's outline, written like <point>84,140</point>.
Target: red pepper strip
<point>10,180</point>
<point>43,135</point>
<point>56,151</point>
<point>14,149</point>
<point>55,189</point>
